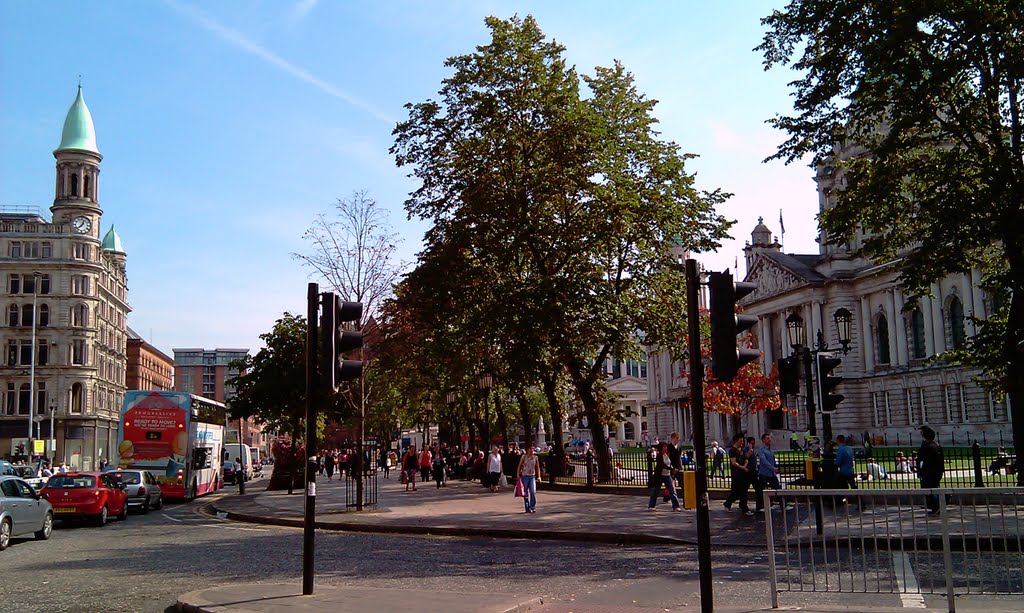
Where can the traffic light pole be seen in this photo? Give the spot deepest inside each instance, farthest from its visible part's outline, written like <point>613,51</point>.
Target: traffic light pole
<point>312,399</point>
<point>697,407</point>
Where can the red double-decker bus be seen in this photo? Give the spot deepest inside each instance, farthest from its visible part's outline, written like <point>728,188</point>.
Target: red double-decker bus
<point>178,437</point>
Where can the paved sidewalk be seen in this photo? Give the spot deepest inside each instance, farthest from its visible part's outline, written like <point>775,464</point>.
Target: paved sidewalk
<point>466,508</point>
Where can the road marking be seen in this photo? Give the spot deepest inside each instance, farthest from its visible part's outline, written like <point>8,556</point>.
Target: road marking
<point>910,592</point>
<point>169,517</point>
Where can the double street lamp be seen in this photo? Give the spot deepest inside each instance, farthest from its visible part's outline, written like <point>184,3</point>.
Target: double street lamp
<point>797,333</point>
<point>428,408</point>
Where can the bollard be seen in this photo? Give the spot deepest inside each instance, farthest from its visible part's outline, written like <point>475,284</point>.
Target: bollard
<point>976,452</point>
<point>689,490</point>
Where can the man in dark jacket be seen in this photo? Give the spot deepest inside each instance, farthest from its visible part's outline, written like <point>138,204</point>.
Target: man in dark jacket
<point>930,467</point>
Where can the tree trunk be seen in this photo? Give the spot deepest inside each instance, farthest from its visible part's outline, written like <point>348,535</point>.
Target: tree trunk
<point>555,410</point>
<point>584,385</point>
<point>1015,364</point>
<point>499,408</point>
<point>524,416</point>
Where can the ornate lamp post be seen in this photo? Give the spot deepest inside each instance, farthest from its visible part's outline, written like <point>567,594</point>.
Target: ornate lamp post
<point>797,334</point>
<point>450,400</point>
<point>485,382</point>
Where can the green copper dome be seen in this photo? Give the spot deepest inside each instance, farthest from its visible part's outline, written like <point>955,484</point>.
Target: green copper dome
<point>79,133</point>
<point>112,241</point>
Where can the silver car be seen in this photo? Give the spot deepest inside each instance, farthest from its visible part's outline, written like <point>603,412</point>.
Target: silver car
<point>144,492</point>
<point>22,512</point>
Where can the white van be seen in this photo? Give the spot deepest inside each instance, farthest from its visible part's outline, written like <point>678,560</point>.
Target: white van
<point>244,453</point>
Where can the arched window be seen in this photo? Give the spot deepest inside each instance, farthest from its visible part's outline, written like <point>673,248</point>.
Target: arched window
<point>85,186</point>
<point>12,315</point>
<point>26,315</point>
<point>60,187</point>
<point>882,334</point>
<point>629,431</point>
<point>44,315</point>
<point>956,323</point>
<point>74,185</point>
<point>77,399</point>
<point>917,333</point>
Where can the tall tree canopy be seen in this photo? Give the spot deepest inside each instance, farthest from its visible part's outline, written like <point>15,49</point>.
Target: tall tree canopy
<point>931,94</point>
<point>554,214</point>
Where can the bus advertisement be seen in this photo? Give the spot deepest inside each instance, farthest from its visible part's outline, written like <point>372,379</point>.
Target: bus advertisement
<point>176,436</point>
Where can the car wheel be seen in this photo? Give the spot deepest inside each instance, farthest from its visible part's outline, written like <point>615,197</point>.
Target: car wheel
<point>123,515</point>
<point>145,505</point>
<point>102,519</point>
<point>5,534</point>
<point>159,502</point>
<point>47,529</point>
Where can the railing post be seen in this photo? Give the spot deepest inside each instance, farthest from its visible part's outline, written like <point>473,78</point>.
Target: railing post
<point>976,452</point>
<point>590,468</point>
<point>650,468</point>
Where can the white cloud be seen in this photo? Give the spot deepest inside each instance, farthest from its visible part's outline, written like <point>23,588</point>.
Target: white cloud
<point>242,42</point>
<point>299,11</point>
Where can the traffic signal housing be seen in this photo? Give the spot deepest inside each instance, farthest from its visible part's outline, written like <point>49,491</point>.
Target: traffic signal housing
<point>789,376</point>
<point>827,383</point>
<point>726,325</point>
<point>337,341</point>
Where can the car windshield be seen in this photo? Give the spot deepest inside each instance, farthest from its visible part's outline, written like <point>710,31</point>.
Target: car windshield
<point>25,472</point>
<point>69,481</point>
<point>129,478</point>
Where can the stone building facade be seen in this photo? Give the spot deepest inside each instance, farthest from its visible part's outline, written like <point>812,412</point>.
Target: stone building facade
<point>66,287</point>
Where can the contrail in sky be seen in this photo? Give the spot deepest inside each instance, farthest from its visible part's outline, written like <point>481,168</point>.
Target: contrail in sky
<point>239,40</point>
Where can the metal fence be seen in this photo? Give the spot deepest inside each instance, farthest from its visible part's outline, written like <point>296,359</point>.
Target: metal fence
<point>887,542</point>
<point>885,468</point>
<point>369,479</point>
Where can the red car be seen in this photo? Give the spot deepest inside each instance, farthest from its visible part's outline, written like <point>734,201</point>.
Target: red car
<point>94,496</point>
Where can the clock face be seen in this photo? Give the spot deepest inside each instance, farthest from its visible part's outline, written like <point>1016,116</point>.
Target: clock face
<point>81,224</point>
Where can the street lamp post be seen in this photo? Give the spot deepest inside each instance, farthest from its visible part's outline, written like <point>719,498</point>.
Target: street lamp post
<point>798,341</point>
<point>485,381</point>
<point>32,365</point>
<point>53,443</point>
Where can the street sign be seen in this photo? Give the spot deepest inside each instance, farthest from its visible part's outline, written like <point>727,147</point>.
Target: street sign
<point>38,446</point>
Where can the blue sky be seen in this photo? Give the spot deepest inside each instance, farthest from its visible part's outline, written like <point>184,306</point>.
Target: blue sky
<point>226,127</point>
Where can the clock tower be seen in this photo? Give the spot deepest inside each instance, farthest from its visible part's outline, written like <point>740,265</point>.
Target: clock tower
<point>76,196</point>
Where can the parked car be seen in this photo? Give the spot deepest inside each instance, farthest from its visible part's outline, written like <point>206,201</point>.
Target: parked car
<point>143,490</point>
<point>6,468</point>
<point>22,511</point>
<point>94,496</point>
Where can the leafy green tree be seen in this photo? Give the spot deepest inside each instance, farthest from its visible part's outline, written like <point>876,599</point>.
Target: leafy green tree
<point>931,93</point>
<point>554,215</point>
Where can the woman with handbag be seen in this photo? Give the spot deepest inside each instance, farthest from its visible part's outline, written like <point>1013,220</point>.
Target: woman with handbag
<point>662,476</point>
<point>528,473</point>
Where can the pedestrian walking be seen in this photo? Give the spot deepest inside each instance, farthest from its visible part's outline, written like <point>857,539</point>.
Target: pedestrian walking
<point>844,460</point>
<point>384,463</point>
<point>425,461</point>
<point>528,473</point>
<point>494,469</point>
<point>739,475</point>
<point>675,453</point>
<point>717,460</point>
<point>329,465</point>
<point>663,477</point>
<point>410,462</point>
<point>437,468</point>
<point>930,467</point>
<point>767,471</point>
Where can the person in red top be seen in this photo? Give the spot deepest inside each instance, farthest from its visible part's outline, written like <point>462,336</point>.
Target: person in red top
<point>425,459</point>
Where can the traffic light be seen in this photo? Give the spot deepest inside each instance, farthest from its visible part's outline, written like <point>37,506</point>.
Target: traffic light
<point>338,341</point>
<point>20,449</point>
<point>827,383</point>
<point>726,358</point>
<point>789,376</point>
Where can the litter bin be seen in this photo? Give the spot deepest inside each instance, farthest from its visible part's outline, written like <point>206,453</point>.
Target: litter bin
<point>689,489</point>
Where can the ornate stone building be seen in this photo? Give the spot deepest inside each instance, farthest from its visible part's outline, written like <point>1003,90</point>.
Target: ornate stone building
<point>891,387</point>
<point>66,289</point>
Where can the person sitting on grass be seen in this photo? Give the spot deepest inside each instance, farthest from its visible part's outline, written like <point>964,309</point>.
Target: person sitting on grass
<point>875,471</point>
